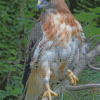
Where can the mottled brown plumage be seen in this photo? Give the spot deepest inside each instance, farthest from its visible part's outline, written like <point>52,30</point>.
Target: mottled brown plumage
<point>62,39</point>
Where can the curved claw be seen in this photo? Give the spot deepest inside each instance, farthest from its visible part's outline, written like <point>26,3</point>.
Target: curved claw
<point>73,79</point>
<point>49,92</point>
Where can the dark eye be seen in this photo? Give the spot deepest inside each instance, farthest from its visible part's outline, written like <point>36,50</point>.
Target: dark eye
<point>48,0</point>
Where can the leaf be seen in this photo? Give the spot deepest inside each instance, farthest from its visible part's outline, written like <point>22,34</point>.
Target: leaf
<point>12,69</point>
<point>30,5</point>
<point>2,94</point>
<point>12,58</point>
<point>85,17</point>
<point>91,31</point>
<point>15,92</point>
<point>24,41</point>
<point>8,88</point>
<point>93,24</point>
<point>5,70</point>
<point>97,10</point>
<point>19,65</point>
<point>18,41</point>
<point>16,77</point>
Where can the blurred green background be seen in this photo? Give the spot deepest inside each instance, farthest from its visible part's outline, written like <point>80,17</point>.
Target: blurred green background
<point>17,17</point>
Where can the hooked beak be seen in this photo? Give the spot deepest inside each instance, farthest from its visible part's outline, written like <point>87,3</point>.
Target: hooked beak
<point>38,5</point>
<point>39,2</point>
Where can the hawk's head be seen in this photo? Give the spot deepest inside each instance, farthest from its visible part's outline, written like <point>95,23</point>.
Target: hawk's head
<point>44,4</point>
<point>59,5</point>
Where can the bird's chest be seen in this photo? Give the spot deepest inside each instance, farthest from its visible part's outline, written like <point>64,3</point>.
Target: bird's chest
<point>56,56</point>
<point>55,28</point>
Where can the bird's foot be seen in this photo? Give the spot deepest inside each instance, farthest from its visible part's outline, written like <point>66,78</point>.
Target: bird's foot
<point>49,92</point>
<point>73,79</point>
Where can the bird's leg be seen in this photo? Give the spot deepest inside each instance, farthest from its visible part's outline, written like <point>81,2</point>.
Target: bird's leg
<point>72,78</point>
<point>48,93</point>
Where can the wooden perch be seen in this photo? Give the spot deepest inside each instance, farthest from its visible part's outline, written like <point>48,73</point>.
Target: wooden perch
<point>94,37</point>
<point>80,87</point>
<point>94,68</point>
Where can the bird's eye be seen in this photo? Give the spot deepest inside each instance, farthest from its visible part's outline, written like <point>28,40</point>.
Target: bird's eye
<point>48,0</point>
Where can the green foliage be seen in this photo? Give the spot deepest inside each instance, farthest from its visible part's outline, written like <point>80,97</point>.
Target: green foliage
<point>90,20</point>
<point>16,20</point>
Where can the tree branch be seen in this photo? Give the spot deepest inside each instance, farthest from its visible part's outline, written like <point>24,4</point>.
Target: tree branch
<point>80,87</point>
<point>76,88</point>
<point>93,53</point>
<point>3,79</point>
<point>94,68</point>
<point>20,68</point>
<point>93,37</point>
<point>8,77</point>
<point>96,65</point>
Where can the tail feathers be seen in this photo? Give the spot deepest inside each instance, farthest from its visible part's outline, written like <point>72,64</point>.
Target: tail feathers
<point>34,85</point>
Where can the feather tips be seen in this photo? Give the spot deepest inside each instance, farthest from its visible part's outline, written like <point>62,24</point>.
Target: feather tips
<point>35,84</point>
<point>59,25</point>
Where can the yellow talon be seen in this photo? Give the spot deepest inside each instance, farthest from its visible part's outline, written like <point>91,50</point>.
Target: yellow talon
<point>49,92</point>
<point>72,78</point>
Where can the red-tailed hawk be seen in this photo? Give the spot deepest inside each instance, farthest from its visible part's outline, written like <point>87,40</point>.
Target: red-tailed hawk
<point>62,38</point>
